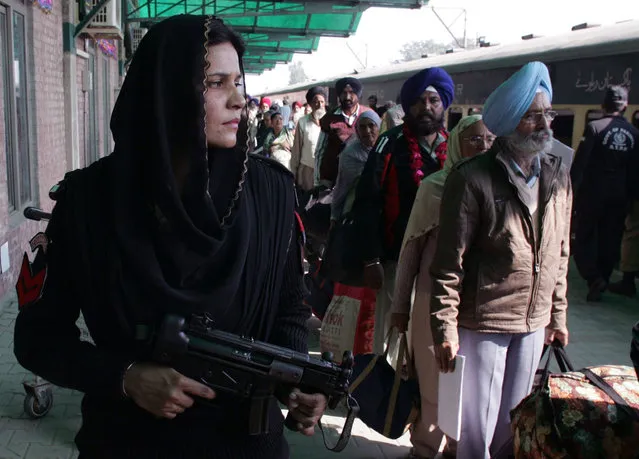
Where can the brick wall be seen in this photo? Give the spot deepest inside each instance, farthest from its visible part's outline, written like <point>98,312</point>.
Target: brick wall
<point>4,194</point>
<point>81,65</point>
<point>48,137</point>
<point>104,111</point>
<point>49,92</point>
<point>48,113</point>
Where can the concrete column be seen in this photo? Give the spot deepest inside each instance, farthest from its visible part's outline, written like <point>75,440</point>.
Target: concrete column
<point>72,139</point>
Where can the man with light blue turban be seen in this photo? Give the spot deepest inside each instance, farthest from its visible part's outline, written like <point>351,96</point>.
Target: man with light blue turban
<point>505,107</point>
<point>499,271</point>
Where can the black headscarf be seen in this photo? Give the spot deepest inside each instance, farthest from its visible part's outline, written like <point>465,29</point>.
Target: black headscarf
<point>160,111</point>
<point>176,252</point>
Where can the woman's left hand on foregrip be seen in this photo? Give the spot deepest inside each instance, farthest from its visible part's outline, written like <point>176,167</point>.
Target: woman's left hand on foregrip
<point>306,409</point>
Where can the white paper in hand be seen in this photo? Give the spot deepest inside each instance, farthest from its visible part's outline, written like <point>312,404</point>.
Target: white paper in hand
<point>449,412</point>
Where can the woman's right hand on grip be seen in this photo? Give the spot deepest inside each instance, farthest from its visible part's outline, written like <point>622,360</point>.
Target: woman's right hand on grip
<point>162,391</point>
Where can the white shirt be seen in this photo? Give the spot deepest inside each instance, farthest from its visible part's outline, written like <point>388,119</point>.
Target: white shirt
<point>349,119</point>
<point>306,138</point>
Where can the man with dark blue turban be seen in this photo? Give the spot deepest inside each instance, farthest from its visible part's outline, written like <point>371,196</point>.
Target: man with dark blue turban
<point>401,158</point>
<point>434,80</point>
<point>499,271</point>
<point>354,83</point>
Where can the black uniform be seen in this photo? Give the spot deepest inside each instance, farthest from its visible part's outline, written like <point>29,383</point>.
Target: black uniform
<point>126,248</point>
<point>603,176</point>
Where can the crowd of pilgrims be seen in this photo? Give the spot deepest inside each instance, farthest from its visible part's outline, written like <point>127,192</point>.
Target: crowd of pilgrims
<point>386,167</point>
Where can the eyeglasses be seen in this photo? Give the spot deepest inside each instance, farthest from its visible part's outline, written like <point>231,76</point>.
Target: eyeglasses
<point>479,140</point>
<point>535,117</point>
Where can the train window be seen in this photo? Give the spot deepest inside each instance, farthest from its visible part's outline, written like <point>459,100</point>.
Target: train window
<point>562,126</point>
<point>454,116</point>
<point>474,111</point>
<point>635,119</point>
<point>593,115</point>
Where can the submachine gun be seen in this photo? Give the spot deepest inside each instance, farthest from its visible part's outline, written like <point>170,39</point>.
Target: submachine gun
<point>252,370</point>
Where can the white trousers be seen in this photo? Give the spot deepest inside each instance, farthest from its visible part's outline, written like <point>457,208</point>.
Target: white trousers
<point>498,374</point>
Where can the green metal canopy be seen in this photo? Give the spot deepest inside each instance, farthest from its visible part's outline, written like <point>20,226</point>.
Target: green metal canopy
<point>273,30</point>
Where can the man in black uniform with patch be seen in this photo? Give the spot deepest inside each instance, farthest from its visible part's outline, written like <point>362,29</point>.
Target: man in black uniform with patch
<point>601,177</point>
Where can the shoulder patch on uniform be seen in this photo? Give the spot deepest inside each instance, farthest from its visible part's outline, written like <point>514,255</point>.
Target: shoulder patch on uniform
<point>618,138</point>
<point>33,275</point>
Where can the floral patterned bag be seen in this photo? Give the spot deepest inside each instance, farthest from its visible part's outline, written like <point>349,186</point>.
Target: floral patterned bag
<point>592,413</point>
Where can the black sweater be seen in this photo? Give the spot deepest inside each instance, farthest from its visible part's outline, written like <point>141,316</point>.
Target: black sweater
<point>47,342</point>
<point>385,195</point>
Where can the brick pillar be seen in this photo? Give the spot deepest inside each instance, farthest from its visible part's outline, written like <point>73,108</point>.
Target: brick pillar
<point>70,84</point>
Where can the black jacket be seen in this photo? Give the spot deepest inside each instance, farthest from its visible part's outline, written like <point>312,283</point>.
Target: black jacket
<point>605,165</point>
<point>48,342</point>
<point>386,192</point>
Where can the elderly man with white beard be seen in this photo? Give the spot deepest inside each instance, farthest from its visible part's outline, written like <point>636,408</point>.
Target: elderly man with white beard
<point>499,272</point>
<point>307,133</point>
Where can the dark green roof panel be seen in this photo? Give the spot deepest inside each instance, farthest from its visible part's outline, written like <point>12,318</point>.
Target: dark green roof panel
<point>326,22</point>
<point>270,57</point>
<point>273,30</point>
<point>159,9</point>
<point>284,45</point>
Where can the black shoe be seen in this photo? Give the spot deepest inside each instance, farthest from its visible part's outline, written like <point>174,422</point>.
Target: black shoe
<point>623,288</point>
<point>595,291</point>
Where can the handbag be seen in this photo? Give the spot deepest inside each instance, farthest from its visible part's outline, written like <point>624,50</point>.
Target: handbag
<point>389,404</point>
<point>589,413</point>
<point>349,321</point>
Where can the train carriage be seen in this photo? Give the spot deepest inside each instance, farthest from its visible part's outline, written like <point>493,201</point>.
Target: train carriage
<point>582,64</point>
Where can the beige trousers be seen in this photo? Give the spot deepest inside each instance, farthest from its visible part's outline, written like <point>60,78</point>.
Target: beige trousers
<point>304,177</point>
<point>425,436</point>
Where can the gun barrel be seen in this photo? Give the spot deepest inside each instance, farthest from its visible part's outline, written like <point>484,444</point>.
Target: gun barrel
<point>232,363</point>
<point>250,369</point>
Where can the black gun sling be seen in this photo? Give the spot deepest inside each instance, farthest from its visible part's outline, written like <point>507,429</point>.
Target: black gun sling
<point>345,436</point>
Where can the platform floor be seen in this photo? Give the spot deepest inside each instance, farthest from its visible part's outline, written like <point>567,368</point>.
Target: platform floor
<point>600,334</point>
